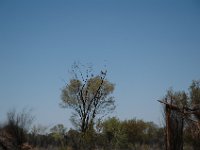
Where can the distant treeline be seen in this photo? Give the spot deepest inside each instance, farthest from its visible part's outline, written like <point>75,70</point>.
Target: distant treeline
<point>17,133</point>
<point>112,133</point>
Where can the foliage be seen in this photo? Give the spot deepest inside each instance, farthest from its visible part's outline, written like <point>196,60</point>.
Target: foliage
<point>174,120</point>
<point>58,134</point>
<point>130,134</point>
<point>114,133</point>
<point>58,131</point>
<point>192,130</point>
<point>89,97</point>
<point>183,119</point>
<point>194,92</point>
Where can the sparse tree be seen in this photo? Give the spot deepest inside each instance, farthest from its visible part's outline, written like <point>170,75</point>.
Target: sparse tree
<point>113,131</point>
<point>194,92</point>
<point>58,133</point>
<point>193,128</point>
<point>174,119</point>
<point>36,134</point>
<point>89,96</point>
<point>16,129</point>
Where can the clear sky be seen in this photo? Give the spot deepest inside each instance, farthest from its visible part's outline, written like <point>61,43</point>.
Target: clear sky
<point>147,45</point>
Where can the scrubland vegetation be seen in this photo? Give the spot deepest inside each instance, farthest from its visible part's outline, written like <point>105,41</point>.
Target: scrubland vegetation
<point>110,134</point>
<point>90,98</point>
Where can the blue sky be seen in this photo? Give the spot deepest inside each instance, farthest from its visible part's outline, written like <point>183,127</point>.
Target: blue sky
<point>148,47</point>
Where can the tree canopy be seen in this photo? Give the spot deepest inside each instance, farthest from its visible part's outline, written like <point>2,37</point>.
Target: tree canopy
<point>89,97</point>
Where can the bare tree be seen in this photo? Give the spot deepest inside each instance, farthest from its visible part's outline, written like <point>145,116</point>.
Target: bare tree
<point>14,132</point>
